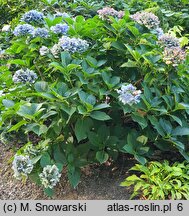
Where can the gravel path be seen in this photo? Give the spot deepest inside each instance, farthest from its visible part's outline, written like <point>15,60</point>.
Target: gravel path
<point>97,182</point>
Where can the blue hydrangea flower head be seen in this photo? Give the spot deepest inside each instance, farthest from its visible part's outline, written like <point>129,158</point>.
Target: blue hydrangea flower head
<point>129,95</point>
<point>24,76</point>
<point>33,16</point>
<point>60,29</point>
<point>40,32</point>
<point>59,14</point>
<point>73,44</point>
<point>23,30</point>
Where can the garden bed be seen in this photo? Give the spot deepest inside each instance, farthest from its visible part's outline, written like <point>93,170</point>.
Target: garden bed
<point>97,183</point>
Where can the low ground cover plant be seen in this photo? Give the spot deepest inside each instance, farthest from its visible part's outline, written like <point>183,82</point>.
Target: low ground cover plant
<point>160,181</point>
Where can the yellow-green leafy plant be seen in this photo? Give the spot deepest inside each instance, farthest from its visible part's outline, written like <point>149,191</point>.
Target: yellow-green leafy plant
<point>159,181</point>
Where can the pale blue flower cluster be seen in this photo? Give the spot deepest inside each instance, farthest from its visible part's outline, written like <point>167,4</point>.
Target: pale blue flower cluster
<point>23,30</point>
<point>33,16</point>
<point>129,95</point>
<point>44,50</point>
<point>40,32</point>
<point>50,176</point>
<point>60,28</point>
<point>73,44</point>
<point>159,32</point>
<point>22,166</point>
<point>64,15</point>
<point>24,76</point>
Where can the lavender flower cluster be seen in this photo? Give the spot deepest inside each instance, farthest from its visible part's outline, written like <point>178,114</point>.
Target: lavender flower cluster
<point>60,29</point>
<point>33,16</point>
<point>69,44</point>
<point>147,19</point>
<point>24,76</point>
<point>50,176</point>
<point>169,41</point>
<point>108,11</point>
<point>22,166</point>
<point>129,94</point>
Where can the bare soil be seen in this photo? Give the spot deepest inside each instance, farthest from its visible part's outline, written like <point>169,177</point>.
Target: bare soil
<point>97,182</point>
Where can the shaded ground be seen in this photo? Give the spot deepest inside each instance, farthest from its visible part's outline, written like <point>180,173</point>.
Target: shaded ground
<point>97,182</point>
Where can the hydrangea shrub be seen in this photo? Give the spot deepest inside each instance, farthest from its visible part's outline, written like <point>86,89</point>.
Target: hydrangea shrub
<point>90,88</point>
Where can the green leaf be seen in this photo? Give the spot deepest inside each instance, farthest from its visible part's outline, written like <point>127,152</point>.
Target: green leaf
<point>74,177</point>
<point>180,131</point>
<point>156,125</point>
<point>36,159</point>
<point>102,156</point>
<point>65,58</point>
<point>82,127</point>
<point>129,64</point>
<point>17,126</point>
<point>178,120</point>
<point>91,61</point>
<point>50,113</point>
<point>18,62</point>
<point>133,178</point>
<point>45,160</point>
<point>140,120</point>
<point>87,98</point>
<point>41,86</point>
<point>166,125</point>
<point>37,128</point>
<point>101,116</point>
<point>29,110</point>
<point>118,45</point>
<point>101,106</point>
<point>59,156</point>
<point>8,103</point>
<point>49,192</point>
<point>140,158</point>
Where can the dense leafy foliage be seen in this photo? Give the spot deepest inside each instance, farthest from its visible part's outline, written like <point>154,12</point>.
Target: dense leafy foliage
<point>80,84</point>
